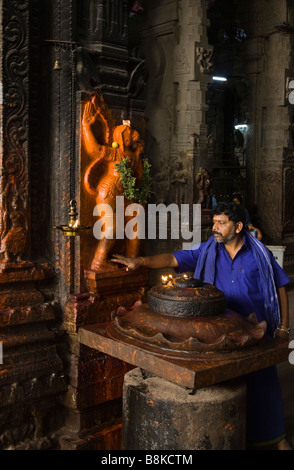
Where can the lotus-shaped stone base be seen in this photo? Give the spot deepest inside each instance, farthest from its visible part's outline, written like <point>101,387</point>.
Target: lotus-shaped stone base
<point>188,335</point>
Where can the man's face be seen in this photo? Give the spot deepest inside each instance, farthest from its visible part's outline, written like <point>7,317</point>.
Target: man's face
<point>236,201</point>
<point>223,229</point>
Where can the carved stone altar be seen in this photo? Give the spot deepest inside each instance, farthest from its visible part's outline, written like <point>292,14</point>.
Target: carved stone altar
<point>194,345</point>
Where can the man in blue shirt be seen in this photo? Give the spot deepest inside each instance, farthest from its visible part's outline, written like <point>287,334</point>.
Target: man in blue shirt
<point>252,281</point>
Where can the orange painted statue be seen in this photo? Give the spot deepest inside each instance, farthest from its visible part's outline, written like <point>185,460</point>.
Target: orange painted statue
<point>106,148</point>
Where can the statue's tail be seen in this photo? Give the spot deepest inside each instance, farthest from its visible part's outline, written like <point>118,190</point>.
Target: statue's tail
<point>91,178</point>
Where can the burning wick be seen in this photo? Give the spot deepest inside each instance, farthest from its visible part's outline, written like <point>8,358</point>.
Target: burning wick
<point>75,225</point>
<point>164,280</point>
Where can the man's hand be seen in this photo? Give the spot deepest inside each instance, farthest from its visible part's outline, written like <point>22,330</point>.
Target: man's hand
<point>130,263</point>
<point>282,334</point>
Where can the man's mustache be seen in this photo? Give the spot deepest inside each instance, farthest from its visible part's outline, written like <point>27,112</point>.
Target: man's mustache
<point>217,233</point>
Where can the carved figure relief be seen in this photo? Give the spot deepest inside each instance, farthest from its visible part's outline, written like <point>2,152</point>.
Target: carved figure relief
<point>102,177</point>
<point>179,179</point>
<point>14,181</point>
<point>14,231</point>
<point>182,62</point>
<point>203,182</point>
<point>204,59</point>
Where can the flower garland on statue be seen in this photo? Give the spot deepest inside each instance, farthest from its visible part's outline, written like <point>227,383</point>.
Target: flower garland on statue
<point>132,192</point>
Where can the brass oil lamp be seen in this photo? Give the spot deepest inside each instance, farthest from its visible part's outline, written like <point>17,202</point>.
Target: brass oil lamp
<point>73,228</point>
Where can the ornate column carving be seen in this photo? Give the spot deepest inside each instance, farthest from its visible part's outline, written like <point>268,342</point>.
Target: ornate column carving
<point>31,371</point>
<point>15,205</point>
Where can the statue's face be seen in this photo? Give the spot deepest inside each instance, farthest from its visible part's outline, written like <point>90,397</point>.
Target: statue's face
<point>125,135</point>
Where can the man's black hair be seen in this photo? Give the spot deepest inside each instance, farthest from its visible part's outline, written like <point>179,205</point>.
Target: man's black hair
<point>234,212</point>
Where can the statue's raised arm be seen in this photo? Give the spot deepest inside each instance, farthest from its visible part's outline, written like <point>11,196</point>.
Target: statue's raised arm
<point>106,147</point>
<point>95,128</point>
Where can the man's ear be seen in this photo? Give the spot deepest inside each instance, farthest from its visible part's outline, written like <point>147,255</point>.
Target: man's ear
<point>239,226</point>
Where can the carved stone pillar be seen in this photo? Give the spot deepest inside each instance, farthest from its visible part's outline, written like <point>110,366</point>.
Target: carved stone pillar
<point>179,68</point>
<point>270,165</point>
<point>32,372</point>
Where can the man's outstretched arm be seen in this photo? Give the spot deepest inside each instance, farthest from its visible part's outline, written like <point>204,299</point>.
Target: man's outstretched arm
<point>165,260</point>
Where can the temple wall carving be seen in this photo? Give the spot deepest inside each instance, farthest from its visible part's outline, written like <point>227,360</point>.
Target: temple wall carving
<point>32,372</point>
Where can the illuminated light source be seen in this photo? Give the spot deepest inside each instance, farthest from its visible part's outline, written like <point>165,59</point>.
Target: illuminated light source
<point>75,225</point>
<point>241,126</point>
<point>219,79</point>
<point>164,280</point>
<point>57,65</point>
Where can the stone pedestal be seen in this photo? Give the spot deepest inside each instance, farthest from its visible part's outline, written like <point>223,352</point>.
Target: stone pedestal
<point>31,371</point>
<point>95,380</point>
<point>159,415</point>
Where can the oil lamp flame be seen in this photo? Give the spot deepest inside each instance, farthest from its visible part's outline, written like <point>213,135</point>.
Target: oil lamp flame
<point>164,280</point>
<point>76,224</point>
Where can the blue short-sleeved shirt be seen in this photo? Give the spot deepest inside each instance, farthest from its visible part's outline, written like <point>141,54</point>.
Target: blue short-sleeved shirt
<point>238,278</point>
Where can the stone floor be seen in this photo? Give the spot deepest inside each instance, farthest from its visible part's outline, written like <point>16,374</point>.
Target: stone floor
<point>286,374</point>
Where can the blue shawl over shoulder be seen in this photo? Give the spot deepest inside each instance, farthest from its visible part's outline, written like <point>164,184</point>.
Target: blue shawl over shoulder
<point>205,270</point>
